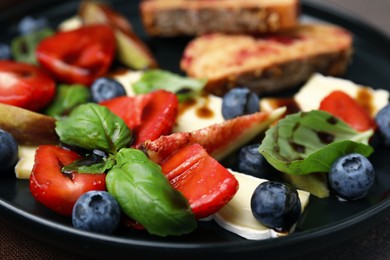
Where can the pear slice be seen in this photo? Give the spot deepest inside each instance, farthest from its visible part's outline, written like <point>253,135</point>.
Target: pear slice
<point>131,50</point>
<point>28,127</point>
<point>219,139</point>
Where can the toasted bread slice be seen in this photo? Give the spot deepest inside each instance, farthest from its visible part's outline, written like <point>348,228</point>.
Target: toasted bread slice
<point>269,63</point>
<point>182,17</point>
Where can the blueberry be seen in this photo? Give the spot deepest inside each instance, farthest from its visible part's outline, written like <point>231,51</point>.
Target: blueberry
<point>30,24</point>
<point>105,89</point>
<point>276,205</point>
<point>383,122</point>
<point>96,211</point>
<point>251,161</point>
<point>5,51</point>
<point>351,176</point>
<point>8,153</point>
<point>238,102</point>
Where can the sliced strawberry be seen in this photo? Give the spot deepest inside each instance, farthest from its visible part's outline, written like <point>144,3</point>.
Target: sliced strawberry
<point>344,107</point>
<point>219,140</point>
<point>128,108</point>
<point>80,55</point>
<point>54,189</point>
<point>24,85</point>
<point>158,116</point>
<point>148,115</point>
<point>203,181</point>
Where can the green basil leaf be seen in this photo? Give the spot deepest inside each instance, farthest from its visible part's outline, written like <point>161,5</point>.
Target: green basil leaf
<point>145,195</point>
<point>23,47</point>
<point>92,126</point>
<point>90,165</point>
<point>66,99</point>
<point>126,155</point>
<point>183,87</point>
<point>309,142</point>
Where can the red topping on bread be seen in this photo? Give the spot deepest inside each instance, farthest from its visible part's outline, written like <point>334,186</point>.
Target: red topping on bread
<point>269,63</point>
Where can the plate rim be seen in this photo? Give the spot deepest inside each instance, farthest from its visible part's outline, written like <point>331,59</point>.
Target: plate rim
<point>11,213</point>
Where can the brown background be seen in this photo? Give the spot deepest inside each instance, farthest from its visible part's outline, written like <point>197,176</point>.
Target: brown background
<point>374,244</point>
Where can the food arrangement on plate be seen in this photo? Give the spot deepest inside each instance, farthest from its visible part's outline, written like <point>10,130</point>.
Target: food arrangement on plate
<point>111,140</point>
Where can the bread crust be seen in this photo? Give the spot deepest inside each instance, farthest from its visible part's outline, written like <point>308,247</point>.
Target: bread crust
<point>266,65</point>
<point>168,18</point>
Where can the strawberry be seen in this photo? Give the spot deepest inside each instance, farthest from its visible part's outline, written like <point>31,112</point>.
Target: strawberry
<point>344,107</point>
<point>132,51</point>
<point>158,116</point>
<point>219,140</point>
<point>128,108</point>
<point>54,189</point>
<point>24,85</point>
<point>80,55</point>
<point>148,115</point>
<point>203,181</point>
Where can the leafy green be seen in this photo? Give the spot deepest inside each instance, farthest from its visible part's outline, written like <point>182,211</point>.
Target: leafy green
<point>92,126</point>
<point>23,47</point>
<point>137,183</point>
<point>66,99</point>
<point>183,87</point>
<point>146,195</point>
<point>89,164</point>
<point>309,142</point>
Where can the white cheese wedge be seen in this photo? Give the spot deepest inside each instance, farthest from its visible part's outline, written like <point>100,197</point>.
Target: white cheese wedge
<point>25,164</point>
<point>202,111</point>
<point>319,86</point>
<point>237,217</point>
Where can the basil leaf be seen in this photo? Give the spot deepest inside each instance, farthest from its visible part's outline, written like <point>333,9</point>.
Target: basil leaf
<point>23,47</point>
<point>126,155</point>
<point>183,87</point>
<point>91,126</point>
<point>89,164</point>
<point>145,195</point>
<point>66,99</point>
<point>309,142</point>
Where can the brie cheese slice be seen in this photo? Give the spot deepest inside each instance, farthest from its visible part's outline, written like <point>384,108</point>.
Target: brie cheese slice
<point>236,216</point>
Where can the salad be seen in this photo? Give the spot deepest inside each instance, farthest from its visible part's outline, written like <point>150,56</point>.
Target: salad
<point>109,155</point>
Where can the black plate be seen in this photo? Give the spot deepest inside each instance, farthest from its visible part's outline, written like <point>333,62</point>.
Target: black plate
<point>326,222</point>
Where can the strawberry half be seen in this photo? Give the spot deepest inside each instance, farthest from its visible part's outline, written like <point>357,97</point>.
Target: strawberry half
<point>54,189</point>
<point>24,85</point>
<point>203,181</point>
<point>80,55</point>
<point>128,108</point>
<point>158,116</point>
<point>148,115</point>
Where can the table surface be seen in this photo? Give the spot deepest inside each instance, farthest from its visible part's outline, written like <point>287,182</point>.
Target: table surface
<point>374,244</point>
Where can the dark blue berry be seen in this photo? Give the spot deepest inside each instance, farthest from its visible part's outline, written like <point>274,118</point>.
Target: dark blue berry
<point>238,102</point>
<point>251,161</point>
<point>5,52</point>
<point>351,176</point>
<point>8,154</point>
<point>106,88</point>
<point>276,205</point>
<point>96,211</point>
<point>30,24</point>
<point>383,122</point>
